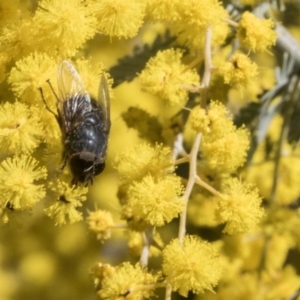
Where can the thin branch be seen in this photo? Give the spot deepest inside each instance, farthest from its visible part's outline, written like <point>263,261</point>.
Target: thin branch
<point>193,155</point>
<point>178,148</point>
<point>287,42</point>
<point>120,226</point>
<point>168,292</point>
<point>189,186</point>
<point>146,249</point>
<point>182,160</point>
<point>194,63</point>
<point>294,296</point>
<point>208,67</point>
<point>283,133</point>
<point>191,88</point>
<point>231,22</point>
<point>205,185</point>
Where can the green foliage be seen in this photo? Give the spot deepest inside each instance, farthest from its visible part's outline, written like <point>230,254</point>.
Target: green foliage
<point>130,66</point>
<point>148,127</point>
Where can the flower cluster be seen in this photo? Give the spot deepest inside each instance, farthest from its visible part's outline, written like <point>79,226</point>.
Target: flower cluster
<point>155,201</point>
<point>100,222</point>
<point>239,70</point>
<point>75,30</point>
<point>19,182</point>
<point>21,129</point>
<point>193,265</point>
<point>256,34</point>
<point>200,121</point>
<point>240,207</point>
<point>123,281</point>
<point>165,77</point>
<point>190,19</point>
<point>152,191</point>
<point>142,160</point>
<point>120,19</point>
<point>65,202</point>
<point>31,73</point>
<point>224,146</point>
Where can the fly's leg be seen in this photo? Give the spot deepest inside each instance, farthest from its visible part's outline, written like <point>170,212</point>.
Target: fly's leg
<point>65,159</point>
<point>52,89</point>
<point>47,107</point>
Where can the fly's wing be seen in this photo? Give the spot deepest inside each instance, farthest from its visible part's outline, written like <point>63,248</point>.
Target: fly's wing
<point>74,101</point>
<point>104,102</point>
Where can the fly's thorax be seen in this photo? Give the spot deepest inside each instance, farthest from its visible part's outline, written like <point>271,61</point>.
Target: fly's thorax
<point>87,136</point>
